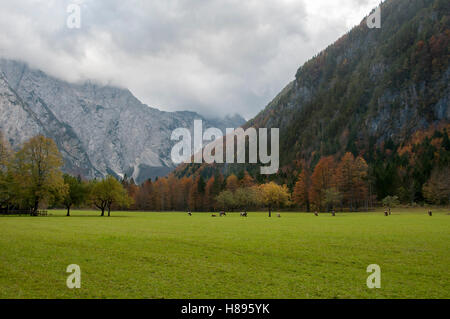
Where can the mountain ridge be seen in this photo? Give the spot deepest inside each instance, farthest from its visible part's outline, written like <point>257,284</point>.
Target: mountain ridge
<point>99,129</point>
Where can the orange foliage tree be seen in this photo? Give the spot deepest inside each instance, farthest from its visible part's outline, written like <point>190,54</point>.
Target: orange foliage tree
<point>232,183</point>
<point>300,195</point>
<point>350,180</point>
<point>321,180</point>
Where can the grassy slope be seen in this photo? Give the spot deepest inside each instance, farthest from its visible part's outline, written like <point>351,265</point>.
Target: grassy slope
<point>171,255</point>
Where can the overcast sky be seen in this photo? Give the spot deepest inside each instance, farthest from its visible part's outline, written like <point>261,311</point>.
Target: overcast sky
<point>215,57</point>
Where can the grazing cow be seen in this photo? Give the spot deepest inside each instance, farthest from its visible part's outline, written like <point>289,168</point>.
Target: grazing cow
<point>316,214</point>
<point>386,213</point>
<point>222,213</point>
<point>430,213</point>
<point>213,215</point>
<point>244,214</point>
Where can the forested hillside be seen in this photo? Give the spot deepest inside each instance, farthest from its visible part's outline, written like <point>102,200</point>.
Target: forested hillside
<point>381,94</point>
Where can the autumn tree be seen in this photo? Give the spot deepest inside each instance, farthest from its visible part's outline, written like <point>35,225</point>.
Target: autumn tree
<point>143,198</point>
<point>350,180</point>
<point>208,198</point>
<point>300,195</point>
<point>36,169</point>
<point>246,197</point>
<point>172,182</point>
<point>218,184</point>
<point>178,196</point>
<point>162,186</point>
<point>361,179</point>
<point>345,178</point>
<point>247,180</point>
<point>332,197</point>
<point>321,180</point>
<point>232,183</point>
<point>197,193</point>
<point>131,188</point>
<point>437,189</point>
<point>161,194</point>
<point>226,200</point>
<point>186,184</point>
<point>274,195</point>
<point>76,194</point>
<point>108,191</point>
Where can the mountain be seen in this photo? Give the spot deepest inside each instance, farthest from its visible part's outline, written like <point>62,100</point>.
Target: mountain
<point>370,86</point>
<point>98,129</point>
<point>369,93</point>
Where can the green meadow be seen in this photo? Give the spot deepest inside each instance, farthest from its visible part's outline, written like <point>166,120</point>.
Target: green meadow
<point>172,255</point>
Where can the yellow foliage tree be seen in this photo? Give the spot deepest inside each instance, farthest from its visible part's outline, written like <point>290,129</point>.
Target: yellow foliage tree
<point>274,195</point>
<point>36,170</point>
<point>109,191</point>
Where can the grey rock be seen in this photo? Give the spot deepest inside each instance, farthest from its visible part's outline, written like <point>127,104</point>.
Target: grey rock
<point>99,129</point>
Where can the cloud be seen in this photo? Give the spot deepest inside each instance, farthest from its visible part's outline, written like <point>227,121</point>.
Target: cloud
<point>211,56</point>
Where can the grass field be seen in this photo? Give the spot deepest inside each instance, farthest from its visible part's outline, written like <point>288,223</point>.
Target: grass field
<point>172,255</point>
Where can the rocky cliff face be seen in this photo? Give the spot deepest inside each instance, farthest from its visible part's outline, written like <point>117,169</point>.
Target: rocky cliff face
<point>99,130</point>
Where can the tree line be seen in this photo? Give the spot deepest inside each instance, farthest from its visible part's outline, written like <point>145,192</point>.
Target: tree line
<point>31,178</point>
<point>330,185</point>
<point>214,194</point>
<point>415,170</point>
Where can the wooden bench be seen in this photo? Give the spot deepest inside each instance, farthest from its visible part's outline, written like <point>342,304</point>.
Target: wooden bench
<point>42,213</point>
